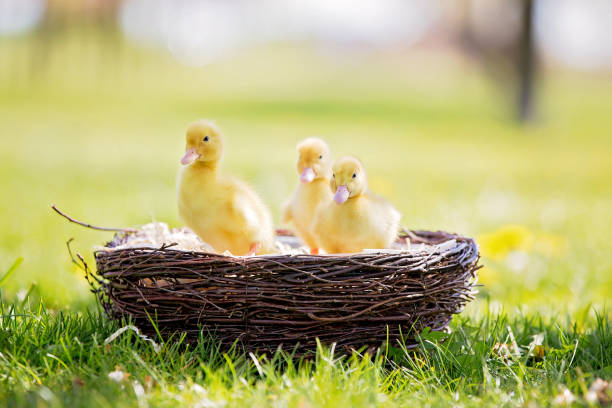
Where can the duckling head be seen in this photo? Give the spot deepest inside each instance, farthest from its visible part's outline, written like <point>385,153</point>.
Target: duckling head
<point>348,179</point>
<point>203,143</point>
<point>314,160</point>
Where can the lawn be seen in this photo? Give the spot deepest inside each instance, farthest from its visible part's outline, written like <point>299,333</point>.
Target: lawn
<point>100,134</point>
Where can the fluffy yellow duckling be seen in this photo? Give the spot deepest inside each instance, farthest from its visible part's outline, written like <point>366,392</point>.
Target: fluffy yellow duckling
<point>221,210</point>
<point>356,219</point>
<point>314,168</point>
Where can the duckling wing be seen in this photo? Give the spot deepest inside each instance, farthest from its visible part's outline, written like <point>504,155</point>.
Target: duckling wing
<point>249,209</point>
<point>384,210</point>
<point>246,213</point>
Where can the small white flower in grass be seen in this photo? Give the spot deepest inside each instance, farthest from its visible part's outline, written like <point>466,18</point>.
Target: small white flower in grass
<point>138,389</point>
<point>590,397</point>
<point>502,352</point>
<point>118,375</point>
<point>21,295</point>
<point>198,389</point>
<point>599,392</point>
<point>565,398</point>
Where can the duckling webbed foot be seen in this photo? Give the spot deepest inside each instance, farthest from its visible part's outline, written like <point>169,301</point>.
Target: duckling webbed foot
<point>254,248</point>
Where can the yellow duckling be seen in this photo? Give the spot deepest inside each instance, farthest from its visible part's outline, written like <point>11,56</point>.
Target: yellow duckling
<point>314,168</point>
<point>356,219</point>
<point>221,210</point>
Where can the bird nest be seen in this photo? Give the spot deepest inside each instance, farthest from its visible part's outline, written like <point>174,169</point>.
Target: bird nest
<point>288,301</point>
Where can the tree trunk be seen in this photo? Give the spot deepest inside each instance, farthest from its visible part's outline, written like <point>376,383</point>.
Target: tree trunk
<point>526,63</point>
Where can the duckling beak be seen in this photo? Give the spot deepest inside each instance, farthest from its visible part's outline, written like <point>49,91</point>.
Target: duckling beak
<point>190,156</point>
<point>342,194</point>
<point>307,175</point>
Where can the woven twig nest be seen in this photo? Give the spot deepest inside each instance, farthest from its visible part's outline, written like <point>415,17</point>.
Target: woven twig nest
<point>264,302</point>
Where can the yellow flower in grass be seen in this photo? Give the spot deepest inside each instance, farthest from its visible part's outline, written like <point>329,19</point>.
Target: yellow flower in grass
<point>514,238</point>
<point>499,243</point>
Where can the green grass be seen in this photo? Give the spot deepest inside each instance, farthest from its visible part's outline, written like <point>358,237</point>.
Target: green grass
<point>98,130</point>
<point>58,358</point>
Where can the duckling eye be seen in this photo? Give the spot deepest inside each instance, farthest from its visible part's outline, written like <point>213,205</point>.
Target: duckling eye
<point>320,157</point>
<point>354,175</point>
<point>333,176</point>
<point>205,139</point>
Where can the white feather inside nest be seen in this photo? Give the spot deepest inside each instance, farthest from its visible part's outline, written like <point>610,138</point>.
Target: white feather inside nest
<point>157,234</point>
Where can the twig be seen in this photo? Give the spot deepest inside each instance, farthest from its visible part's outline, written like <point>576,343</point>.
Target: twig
<point>83,224</point>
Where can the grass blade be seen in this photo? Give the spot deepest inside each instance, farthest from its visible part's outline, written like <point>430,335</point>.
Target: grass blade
<point>12,269</point>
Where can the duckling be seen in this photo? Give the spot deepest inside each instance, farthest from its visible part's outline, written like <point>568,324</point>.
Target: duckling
<point>314,168</point>
<point>221,210</point>
<point>356,219</point>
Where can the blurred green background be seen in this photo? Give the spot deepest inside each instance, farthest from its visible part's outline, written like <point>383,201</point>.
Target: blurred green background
<point>93,121</point>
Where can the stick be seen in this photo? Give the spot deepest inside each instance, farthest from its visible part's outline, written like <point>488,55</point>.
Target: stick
<point>66,216</point>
